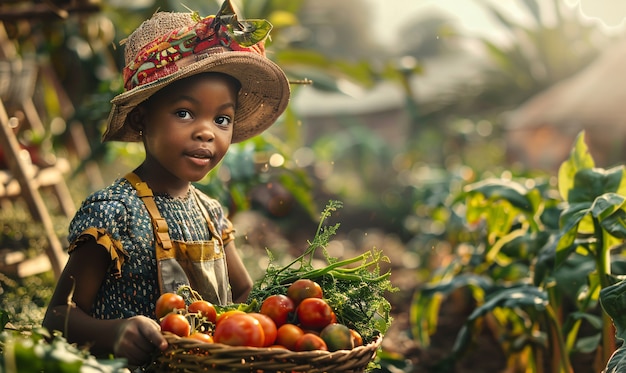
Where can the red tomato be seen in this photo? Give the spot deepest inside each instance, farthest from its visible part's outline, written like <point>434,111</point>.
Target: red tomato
<point>203,308</point>
<point>337,337</point>
<point>224,315</point>
<point>287,335</point>
<point>239,330</point>
<point>278,307</point>
<point>310,342</point>
<point>314,313</point>
<point>202,337</point>
<point>269,328</point>
<point>168,302</point>
<point>175,323</point>
<point>302,289</point>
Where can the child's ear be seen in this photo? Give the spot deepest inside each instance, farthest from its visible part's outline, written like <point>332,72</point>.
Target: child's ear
<point>136,118</point>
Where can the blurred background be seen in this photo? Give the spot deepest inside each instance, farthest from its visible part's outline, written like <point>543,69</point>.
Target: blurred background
<point>396,105</point>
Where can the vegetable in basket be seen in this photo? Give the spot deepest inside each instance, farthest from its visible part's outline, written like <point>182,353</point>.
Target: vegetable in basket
<point>354,287</point>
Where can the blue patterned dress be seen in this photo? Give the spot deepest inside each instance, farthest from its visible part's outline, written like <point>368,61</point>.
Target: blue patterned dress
<point>119,221</point>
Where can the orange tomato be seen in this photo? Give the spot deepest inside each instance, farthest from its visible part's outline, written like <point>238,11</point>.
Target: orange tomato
<point>202,337</point>
<point>203,308</point>
<point>225,315</point>
<point>175,323</point>
<point>310,342</point>
<point>287,335</point>
<point>168,302</point>
<point>304,288</point>
<point>269,328</point>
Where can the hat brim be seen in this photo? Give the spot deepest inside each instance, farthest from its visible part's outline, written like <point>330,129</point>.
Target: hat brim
<point>263,96</point>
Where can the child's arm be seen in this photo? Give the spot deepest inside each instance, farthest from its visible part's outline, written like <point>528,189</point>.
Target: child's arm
<point>240,281</point>
<point>134,338</point>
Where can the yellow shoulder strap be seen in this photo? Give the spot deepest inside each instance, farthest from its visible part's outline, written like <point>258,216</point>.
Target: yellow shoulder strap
<point>161,230</point>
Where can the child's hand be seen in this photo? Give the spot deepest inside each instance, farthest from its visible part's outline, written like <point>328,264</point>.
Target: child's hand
<point>137,339</point>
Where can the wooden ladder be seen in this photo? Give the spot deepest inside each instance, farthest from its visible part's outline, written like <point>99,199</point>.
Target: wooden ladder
<point>27,182</point>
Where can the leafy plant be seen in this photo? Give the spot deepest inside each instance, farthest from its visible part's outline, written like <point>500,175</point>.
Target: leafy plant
<point>353,286</point>
<point>539,258</point>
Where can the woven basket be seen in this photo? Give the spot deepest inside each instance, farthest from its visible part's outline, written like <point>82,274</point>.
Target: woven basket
<point>188,355</point>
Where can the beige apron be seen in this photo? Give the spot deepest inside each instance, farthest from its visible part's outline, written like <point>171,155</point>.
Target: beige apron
<point>201,265</point>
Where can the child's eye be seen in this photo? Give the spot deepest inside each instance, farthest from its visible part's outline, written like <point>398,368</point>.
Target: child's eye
<point>183,114</point>
<point>223,121</point>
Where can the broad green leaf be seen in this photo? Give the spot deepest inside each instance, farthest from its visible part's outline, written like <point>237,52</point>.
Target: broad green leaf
<point>609,210</point>
<point>616,226</point>
<point>570,219</point>
<point>613,301</point>
<point>588,344</point>
<point>499,189</point>
<point>526,246</point>
<point>579,159</point>
<point>593,182</point>
<point>607,204</point>
<point>573,274</point>
<point>523,297</point>
<point>500,219</point>
<point>544,264</point>
<point>426,302</point>
<point>617,362</point>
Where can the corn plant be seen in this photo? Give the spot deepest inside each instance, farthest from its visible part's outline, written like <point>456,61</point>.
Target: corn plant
<point>539,258</point>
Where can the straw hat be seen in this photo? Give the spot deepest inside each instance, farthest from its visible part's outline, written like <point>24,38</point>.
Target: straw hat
<point>172,46</point>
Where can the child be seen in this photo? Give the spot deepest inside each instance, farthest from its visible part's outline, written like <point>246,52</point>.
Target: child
<point>192,87</point>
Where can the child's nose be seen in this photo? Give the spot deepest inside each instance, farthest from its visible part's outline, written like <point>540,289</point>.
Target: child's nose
<point>205,132</point>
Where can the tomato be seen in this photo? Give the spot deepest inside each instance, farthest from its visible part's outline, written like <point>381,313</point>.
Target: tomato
<point>239,330</point>
<point>278,307</point>
<point>314,313</point>
<point>175,323</point>
<point>302,289</point>
<point>310,342</point>
<point>168,302</point>
<point>278,346</point>
<point>224,315</point>
<point>269,328</point>
<point>203,308</point>
<point>356,338</point>
<point>287,335</point>
<point>202,337</point>
<point>337,337</point>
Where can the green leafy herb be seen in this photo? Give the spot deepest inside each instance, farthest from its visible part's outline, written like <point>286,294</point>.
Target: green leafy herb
<point>354,287</point>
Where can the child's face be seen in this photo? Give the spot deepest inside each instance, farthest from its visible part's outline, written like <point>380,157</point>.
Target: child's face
<point>188,126</point>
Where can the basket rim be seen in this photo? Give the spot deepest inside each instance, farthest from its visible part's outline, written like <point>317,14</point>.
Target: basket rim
<point>190,355</point>
<point>173,339</point>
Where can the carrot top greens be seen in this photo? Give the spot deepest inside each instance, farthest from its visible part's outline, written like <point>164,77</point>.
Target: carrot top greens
<point>354,287</point>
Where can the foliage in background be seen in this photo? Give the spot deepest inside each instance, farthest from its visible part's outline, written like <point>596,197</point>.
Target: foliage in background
<point>38,351</point>
<point>535,265</point>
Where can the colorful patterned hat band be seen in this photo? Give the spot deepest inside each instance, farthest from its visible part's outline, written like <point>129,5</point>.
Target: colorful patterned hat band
<point>167,53</point>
